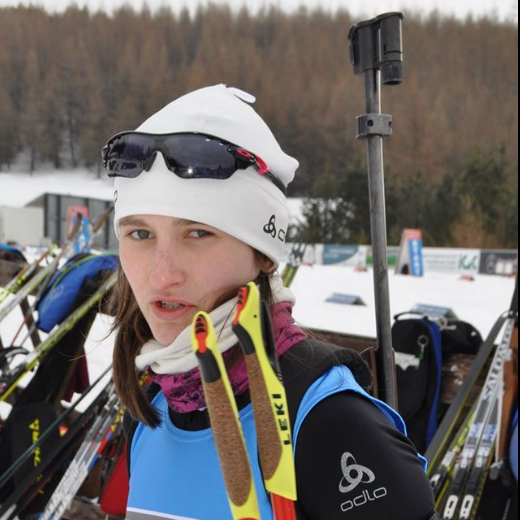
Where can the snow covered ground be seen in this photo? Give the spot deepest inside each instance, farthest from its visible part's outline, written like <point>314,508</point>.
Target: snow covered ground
<point>479,302</point>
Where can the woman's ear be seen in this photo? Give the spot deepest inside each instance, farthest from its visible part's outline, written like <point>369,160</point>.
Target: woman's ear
<point>266,265</point>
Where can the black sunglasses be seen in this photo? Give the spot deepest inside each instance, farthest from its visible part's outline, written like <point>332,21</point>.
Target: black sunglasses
<point>189,156</point>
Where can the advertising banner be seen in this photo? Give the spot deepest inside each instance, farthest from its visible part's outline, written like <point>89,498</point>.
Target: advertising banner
<point>498,262</point>
<point>410,260</point>
<point>354,256</point>
<point>463,261</point>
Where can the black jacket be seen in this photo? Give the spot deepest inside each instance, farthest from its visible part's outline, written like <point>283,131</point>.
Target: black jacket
<point>351,463</point>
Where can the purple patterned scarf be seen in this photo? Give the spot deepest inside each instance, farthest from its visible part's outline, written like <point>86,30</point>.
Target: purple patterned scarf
<point>184,392</point>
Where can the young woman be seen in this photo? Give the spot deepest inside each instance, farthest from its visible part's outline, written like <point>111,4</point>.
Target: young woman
<point>201,210</point>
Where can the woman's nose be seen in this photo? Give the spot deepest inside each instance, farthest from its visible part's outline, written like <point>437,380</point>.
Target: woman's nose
<point>167,270</point>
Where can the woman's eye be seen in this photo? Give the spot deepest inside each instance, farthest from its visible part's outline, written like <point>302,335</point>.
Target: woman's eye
<point>199,233</point>
<point>141,234</point>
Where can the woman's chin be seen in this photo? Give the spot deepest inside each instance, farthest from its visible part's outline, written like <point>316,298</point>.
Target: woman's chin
<point>167,337</point>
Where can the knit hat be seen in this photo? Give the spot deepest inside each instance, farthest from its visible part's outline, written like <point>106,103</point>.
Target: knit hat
<point>247,206</point>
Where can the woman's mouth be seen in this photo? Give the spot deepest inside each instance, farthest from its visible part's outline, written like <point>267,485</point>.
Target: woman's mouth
<point>168,311</point>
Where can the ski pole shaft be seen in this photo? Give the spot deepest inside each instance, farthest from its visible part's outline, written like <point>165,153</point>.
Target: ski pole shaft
<point>225,422</point>
<point>376,52</point>
<point>252,325</point>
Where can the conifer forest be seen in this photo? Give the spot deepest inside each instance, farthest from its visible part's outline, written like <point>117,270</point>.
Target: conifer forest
<point>69,81</point>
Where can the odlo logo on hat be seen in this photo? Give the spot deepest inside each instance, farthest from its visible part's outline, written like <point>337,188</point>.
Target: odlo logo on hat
<point>270,229</point>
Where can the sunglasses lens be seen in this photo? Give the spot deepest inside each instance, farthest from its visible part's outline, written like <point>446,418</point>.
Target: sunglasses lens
<point>128,154</point>
<point>198,157</point>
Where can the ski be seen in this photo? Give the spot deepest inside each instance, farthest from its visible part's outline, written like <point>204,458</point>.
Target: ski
<point>33,478</point>
<point>510,400</point>
<point>486,403</point>
<point>41,477</point>
<point>444,471</point>
<point>10,380</point>
<point>444,433</point>
<point>84,459</point>
<point>464,466</point>
<point>479,472</point>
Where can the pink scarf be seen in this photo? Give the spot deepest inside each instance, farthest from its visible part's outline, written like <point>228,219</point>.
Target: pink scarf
<point>184,392</point>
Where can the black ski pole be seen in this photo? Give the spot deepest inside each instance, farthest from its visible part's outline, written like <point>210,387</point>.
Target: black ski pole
<point>377,54</point>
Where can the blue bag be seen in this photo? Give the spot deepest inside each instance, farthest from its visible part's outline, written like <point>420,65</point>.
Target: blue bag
<point>10,253</point>
<point>66,285</point>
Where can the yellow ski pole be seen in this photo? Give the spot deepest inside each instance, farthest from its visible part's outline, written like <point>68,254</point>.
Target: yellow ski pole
<point>253,327</point>
<point>225,422</point>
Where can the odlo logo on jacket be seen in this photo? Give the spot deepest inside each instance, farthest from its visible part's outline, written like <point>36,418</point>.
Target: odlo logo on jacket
<point>353,476</point>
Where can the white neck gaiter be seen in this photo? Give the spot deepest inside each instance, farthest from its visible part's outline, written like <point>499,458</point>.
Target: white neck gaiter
<point>179,358</point>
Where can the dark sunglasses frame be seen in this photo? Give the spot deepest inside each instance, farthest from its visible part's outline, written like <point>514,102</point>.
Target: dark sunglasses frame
<point>243,158</point>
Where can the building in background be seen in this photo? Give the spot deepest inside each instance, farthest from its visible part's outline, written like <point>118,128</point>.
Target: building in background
<point>23,226</point>
<point>55,209</point>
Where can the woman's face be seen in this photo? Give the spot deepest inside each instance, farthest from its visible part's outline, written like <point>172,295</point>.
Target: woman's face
<point>177,268</point>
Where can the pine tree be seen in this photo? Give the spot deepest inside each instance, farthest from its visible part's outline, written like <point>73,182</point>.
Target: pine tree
<point>7,135</point>
<point>31,124</point>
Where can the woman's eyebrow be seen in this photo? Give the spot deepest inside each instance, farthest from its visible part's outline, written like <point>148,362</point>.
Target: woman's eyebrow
<point>134,221</point>
<point>185,222</point>
<point>131,221</point>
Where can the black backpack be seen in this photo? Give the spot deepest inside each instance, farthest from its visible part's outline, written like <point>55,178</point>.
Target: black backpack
<point>421,345</point>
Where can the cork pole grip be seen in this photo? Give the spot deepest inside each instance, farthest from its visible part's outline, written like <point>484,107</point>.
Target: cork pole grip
<point>233,458</point>
<point>268,438</point>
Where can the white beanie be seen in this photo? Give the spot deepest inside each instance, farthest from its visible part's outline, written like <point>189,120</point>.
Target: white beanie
<point>247,206</point>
